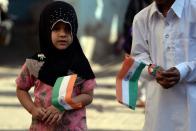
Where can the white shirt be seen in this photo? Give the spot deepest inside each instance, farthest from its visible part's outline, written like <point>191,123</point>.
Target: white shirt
<point>169,41</point>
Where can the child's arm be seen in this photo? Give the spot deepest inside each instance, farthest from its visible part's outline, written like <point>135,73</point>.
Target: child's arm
<point>26,101</point>
<point>85,98</point>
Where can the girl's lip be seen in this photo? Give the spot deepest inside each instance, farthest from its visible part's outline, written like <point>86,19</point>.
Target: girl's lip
<point>62,41</point>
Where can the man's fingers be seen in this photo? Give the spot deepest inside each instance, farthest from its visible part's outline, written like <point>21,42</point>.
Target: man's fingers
<point>59,118</point>
<point>170,74</point>
<point>167,84</point>
<point>171,79</point>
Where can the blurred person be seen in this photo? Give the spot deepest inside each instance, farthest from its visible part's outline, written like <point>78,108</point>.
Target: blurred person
<point>6,23</point>
<point>4,5</point>
<point>61,55</point>
<point>125,39</point>
<point>164,35</point>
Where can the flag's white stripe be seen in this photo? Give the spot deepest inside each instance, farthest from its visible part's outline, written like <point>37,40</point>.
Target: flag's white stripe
<point>132,70</point>
<point>125,91</point>
<point>63,91</point>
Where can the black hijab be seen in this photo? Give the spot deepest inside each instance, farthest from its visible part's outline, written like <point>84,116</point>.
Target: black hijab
<point>60,62</point>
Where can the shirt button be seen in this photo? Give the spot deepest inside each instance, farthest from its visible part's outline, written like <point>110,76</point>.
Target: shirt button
<point>166,23</point>
<point>166,36</point>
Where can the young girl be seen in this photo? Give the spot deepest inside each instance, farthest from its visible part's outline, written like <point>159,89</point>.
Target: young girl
<point>61,55</point>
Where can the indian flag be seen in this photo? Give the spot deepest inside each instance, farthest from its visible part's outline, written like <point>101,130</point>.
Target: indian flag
<point>127,82</point>
<point>62,93</point>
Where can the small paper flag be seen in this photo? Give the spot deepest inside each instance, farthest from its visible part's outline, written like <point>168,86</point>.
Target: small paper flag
<point>62,93</point>
<point>127,82</point>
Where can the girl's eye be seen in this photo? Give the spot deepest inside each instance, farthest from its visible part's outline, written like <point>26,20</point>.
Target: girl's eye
<point>55,28</point>
<point>64,27</point>
<point>67,29</point>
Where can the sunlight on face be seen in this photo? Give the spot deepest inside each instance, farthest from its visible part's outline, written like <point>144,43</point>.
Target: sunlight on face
<point>61,35</point>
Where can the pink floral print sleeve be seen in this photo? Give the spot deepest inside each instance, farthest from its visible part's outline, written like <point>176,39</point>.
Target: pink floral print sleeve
<point>72,120</point>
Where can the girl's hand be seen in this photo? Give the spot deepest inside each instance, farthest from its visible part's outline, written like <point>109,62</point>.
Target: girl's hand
<point>38,112</point>
<point>52,115</point>
<point>168,78</point>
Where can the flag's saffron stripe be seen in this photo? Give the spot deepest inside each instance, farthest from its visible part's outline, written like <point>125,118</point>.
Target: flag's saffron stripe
<point>128,62</point>
<point>69,93</point>
<point>119,90</point>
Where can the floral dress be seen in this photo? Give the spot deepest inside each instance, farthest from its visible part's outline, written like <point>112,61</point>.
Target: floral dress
<point>72,120</point>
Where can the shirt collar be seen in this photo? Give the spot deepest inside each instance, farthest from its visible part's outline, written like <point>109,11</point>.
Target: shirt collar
<point>177,7</point>
<point>154,9</point>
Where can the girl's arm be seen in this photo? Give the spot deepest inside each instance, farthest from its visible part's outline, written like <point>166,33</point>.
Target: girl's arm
<point>85,98</point>
<point>26,101</point>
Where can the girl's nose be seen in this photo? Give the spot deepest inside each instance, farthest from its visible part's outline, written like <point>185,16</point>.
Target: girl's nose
<point>62,32</point>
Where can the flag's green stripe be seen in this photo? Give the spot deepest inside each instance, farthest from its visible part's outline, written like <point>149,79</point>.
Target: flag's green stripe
<point>133,92</point>
<point>133,86</point>
<point>55,94</point>
<point>138,71</point>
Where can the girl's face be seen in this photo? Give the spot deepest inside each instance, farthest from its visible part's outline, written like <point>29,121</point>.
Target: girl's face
<point>61,35</point>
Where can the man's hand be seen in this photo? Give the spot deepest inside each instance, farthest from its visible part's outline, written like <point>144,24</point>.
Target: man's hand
<point>168,78</point>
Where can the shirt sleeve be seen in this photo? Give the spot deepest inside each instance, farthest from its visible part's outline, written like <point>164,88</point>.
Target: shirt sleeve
<point>25,80</point>
<point>88,85</point>
<point>187,71</point>
<point>140,45</point>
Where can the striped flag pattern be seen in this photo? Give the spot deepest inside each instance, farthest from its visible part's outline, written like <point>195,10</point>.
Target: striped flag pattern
<point>62,93</point>
<point>127,81</point>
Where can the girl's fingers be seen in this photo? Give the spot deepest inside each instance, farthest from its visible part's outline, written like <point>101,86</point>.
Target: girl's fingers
<point>46,115</point>
<point>54,119</point>
<point>43,110</point>
<point>49,118</point>
<point>59,118</point>
<point>42,113</point>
